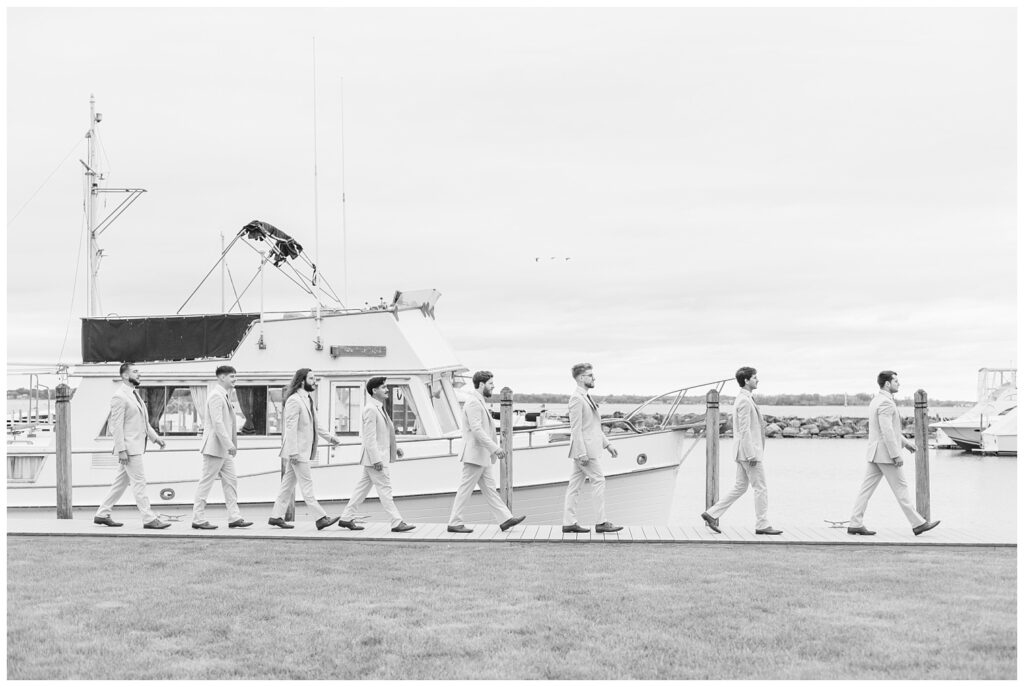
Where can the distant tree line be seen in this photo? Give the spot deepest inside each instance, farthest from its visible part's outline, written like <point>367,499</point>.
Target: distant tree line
<point>861,399</point>
<point>22,392</point>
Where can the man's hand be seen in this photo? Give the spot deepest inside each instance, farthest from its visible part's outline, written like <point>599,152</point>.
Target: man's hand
<point>613,451</point>
<point>897,461</point>
<point>378,466</point>
<point>232,451</point>
<point>753,462</point>
<point>294,458</point>
<point>911,447</point>
<point>122,457</point>
<point>335,441</point>
<point>583,460</point>
<point>161,443</point>
<point>499,454</point>
<point>399,453</point>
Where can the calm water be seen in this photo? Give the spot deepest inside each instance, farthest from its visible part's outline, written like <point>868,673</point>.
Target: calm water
<point>786,411</point>
<point>813,480</point>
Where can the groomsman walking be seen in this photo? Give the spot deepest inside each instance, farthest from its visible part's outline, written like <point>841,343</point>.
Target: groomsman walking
<point>380,449</point>
<point>129,425</point>
<point>299,438</point>
<point>480,451</point>
<point>748,447</point>
<point>586,444</point>
<point>220,445</point>
<point>885,459</point>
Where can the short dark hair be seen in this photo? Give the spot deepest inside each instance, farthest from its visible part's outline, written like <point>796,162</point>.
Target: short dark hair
<point>481,377</point>
<point>580,368</point>
<point>743,374</point>
<point>124,368</point>
<point>885,376</point>
<point>225,370</point>
<point>375,383</point>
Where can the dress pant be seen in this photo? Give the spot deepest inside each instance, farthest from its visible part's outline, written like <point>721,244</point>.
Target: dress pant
<point>894,476</point>
<point>381,479</point>
<point>214,467</point>
<point>297,471</point>
<point>592,471</point>
<point>747,475</point>
<point>133,474</point>
<point>473,475</point>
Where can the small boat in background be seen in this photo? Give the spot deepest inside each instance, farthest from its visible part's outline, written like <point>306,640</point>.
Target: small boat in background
<point>997,396</point>
<point>1001,436</point>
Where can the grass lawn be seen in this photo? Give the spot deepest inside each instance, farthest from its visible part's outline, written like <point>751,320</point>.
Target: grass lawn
<point>125,608</point>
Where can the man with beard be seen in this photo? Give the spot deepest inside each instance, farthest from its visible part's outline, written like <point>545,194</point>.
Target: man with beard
<point>129,425</point>
<point>220,444</point>
<point>480,451</point>
<point>298,446</point>
<point>586,444</point>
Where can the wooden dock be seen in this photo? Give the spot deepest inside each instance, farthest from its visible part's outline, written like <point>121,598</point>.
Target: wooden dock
<point>802,535</point>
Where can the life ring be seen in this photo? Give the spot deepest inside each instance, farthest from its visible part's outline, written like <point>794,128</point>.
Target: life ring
<point>641,459</point>
<point>167,493</point>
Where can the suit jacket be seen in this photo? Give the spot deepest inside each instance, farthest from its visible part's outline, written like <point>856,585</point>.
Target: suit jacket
<point>300,428</point>
<point>129,422</point>
<point>885,430</point>
<point>585,435</point>
<point>220,430</point>
<point>748,428</point>
<point>479,440</point>
<point>378,433</point>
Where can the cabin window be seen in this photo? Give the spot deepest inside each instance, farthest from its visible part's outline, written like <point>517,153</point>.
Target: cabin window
<point>346,402</point>
<point>402,410</point>
<point>180,410</point>
<point>24,468</point>
<point>441,400</point>
<point>275,409</point>
<point>251,409</point>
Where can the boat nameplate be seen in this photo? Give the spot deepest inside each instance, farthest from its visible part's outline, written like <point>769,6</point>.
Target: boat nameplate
<point>359,351</point>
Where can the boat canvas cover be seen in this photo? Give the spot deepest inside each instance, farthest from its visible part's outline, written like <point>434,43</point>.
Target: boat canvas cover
<point>151,339</point>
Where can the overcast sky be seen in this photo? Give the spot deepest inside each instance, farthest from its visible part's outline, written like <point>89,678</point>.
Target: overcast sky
<point>818,193</point>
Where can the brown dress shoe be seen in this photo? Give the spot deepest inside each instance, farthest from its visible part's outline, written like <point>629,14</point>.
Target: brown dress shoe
<point>512,522</point>
<point>575,527</point>
<point>156,525</point>
<point>106,520</point>
<point>350,524</point>
<point>280,522</point>
<point>604,527</point>
<point>712,523</point>
<point>459,529</point>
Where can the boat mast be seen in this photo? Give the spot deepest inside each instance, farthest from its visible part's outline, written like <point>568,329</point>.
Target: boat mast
<point>92,180</point>
<point>319,344</point>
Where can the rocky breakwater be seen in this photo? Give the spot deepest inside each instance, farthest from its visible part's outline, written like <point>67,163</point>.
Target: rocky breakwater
<point>786,427</point>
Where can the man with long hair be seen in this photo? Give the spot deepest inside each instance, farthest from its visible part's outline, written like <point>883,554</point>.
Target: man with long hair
<point>480,451</point>
<point>298,446</point>
<point>380,449</point>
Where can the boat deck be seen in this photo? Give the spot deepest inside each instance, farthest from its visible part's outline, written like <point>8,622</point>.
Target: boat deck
<point>804,534</point>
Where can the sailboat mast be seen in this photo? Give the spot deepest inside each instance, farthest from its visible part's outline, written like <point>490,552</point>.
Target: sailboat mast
<point>92,184</point>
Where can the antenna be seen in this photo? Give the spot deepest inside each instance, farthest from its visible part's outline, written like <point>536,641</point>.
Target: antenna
<point>318,343</point>
<point>344,227</point>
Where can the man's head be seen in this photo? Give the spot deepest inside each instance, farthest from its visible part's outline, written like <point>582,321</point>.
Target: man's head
<point>483,381</point>
<point>746,377</point>
<point>130,374</point>
<point>888,381</point>
<point>583,373</point>
<point>226,376</point>
<point>377,388</point>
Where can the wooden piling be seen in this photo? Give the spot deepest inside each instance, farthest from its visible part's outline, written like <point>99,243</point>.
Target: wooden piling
<point>63,430</point>
<point>711,437</point>
<point>505,484</point>
<point>921,467</point>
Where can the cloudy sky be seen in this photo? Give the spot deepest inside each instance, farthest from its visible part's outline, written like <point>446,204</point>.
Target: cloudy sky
<point>817,193</point>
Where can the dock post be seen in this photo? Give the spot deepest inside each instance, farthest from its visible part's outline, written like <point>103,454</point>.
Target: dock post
<point>63,430</point>
<point>921,467</point>
<point>505,485</point>
<point>711,437</point>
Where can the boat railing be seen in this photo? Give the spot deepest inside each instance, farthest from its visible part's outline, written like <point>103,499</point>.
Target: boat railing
<point>673,399</point>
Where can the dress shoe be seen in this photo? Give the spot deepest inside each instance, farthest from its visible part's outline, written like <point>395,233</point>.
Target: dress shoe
<point>279,522</point>
<point>859,530</point>
<point>350,524</point>
<point>604,527</point>
<point>156,525</point>
<point>712,522</point>
<point>325,521</point>
<point>106,520</point>
<point>575,527</point>
<point>512,522</point>
<point>403,527</point>
<point>203,526</point>
<point>768,530</point>
<point>925,527</point>
<point>459,529</point>
<point>239,523</point>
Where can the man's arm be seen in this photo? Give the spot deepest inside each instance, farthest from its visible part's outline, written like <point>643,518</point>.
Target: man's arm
<point>743,431</point>
<point>370,435</point>
<point>292,410</point>
<point>474,412</point>
<point>218,405</point>
<point>116,423</point>
<point>886,415</point>
<point>576,427</point>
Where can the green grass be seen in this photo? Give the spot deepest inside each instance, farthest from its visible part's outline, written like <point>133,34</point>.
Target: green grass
<point>122,608</point>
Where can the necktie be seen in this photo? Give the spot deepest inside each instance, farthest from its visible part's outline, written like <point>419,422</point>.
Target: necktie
<point>591,402</point>
<point>312,414</point>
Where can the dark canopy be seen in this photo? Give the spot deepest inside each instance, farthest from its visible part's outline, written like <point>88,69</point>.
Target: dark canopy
<point>149,339</point>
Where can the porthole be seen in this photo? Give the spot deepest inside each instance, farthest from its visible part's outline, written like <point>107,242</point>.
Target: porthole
<point>641,459</point>
<point>167,494</point>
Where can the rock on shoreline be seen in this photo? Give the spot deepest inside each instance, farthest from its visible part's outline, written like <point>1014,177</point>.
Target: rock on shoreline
<point>786,427</point>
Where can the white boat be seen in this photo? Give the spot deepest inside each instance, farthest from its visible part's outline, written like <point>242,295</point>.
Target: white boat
<point>997,394</point>
<point>1001,436</point>
<point>178,354</point>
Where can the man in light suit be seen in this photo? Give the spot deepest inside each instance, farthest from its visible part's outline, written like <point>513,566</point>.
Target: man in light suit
<point>586,444</point>
<point>298,446</point>
<point>380,449</point>
<point>748,450</point>
<point>480,451</point>
<point>885,438</point>
<point>220,444</point>
<point>129,425</point>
